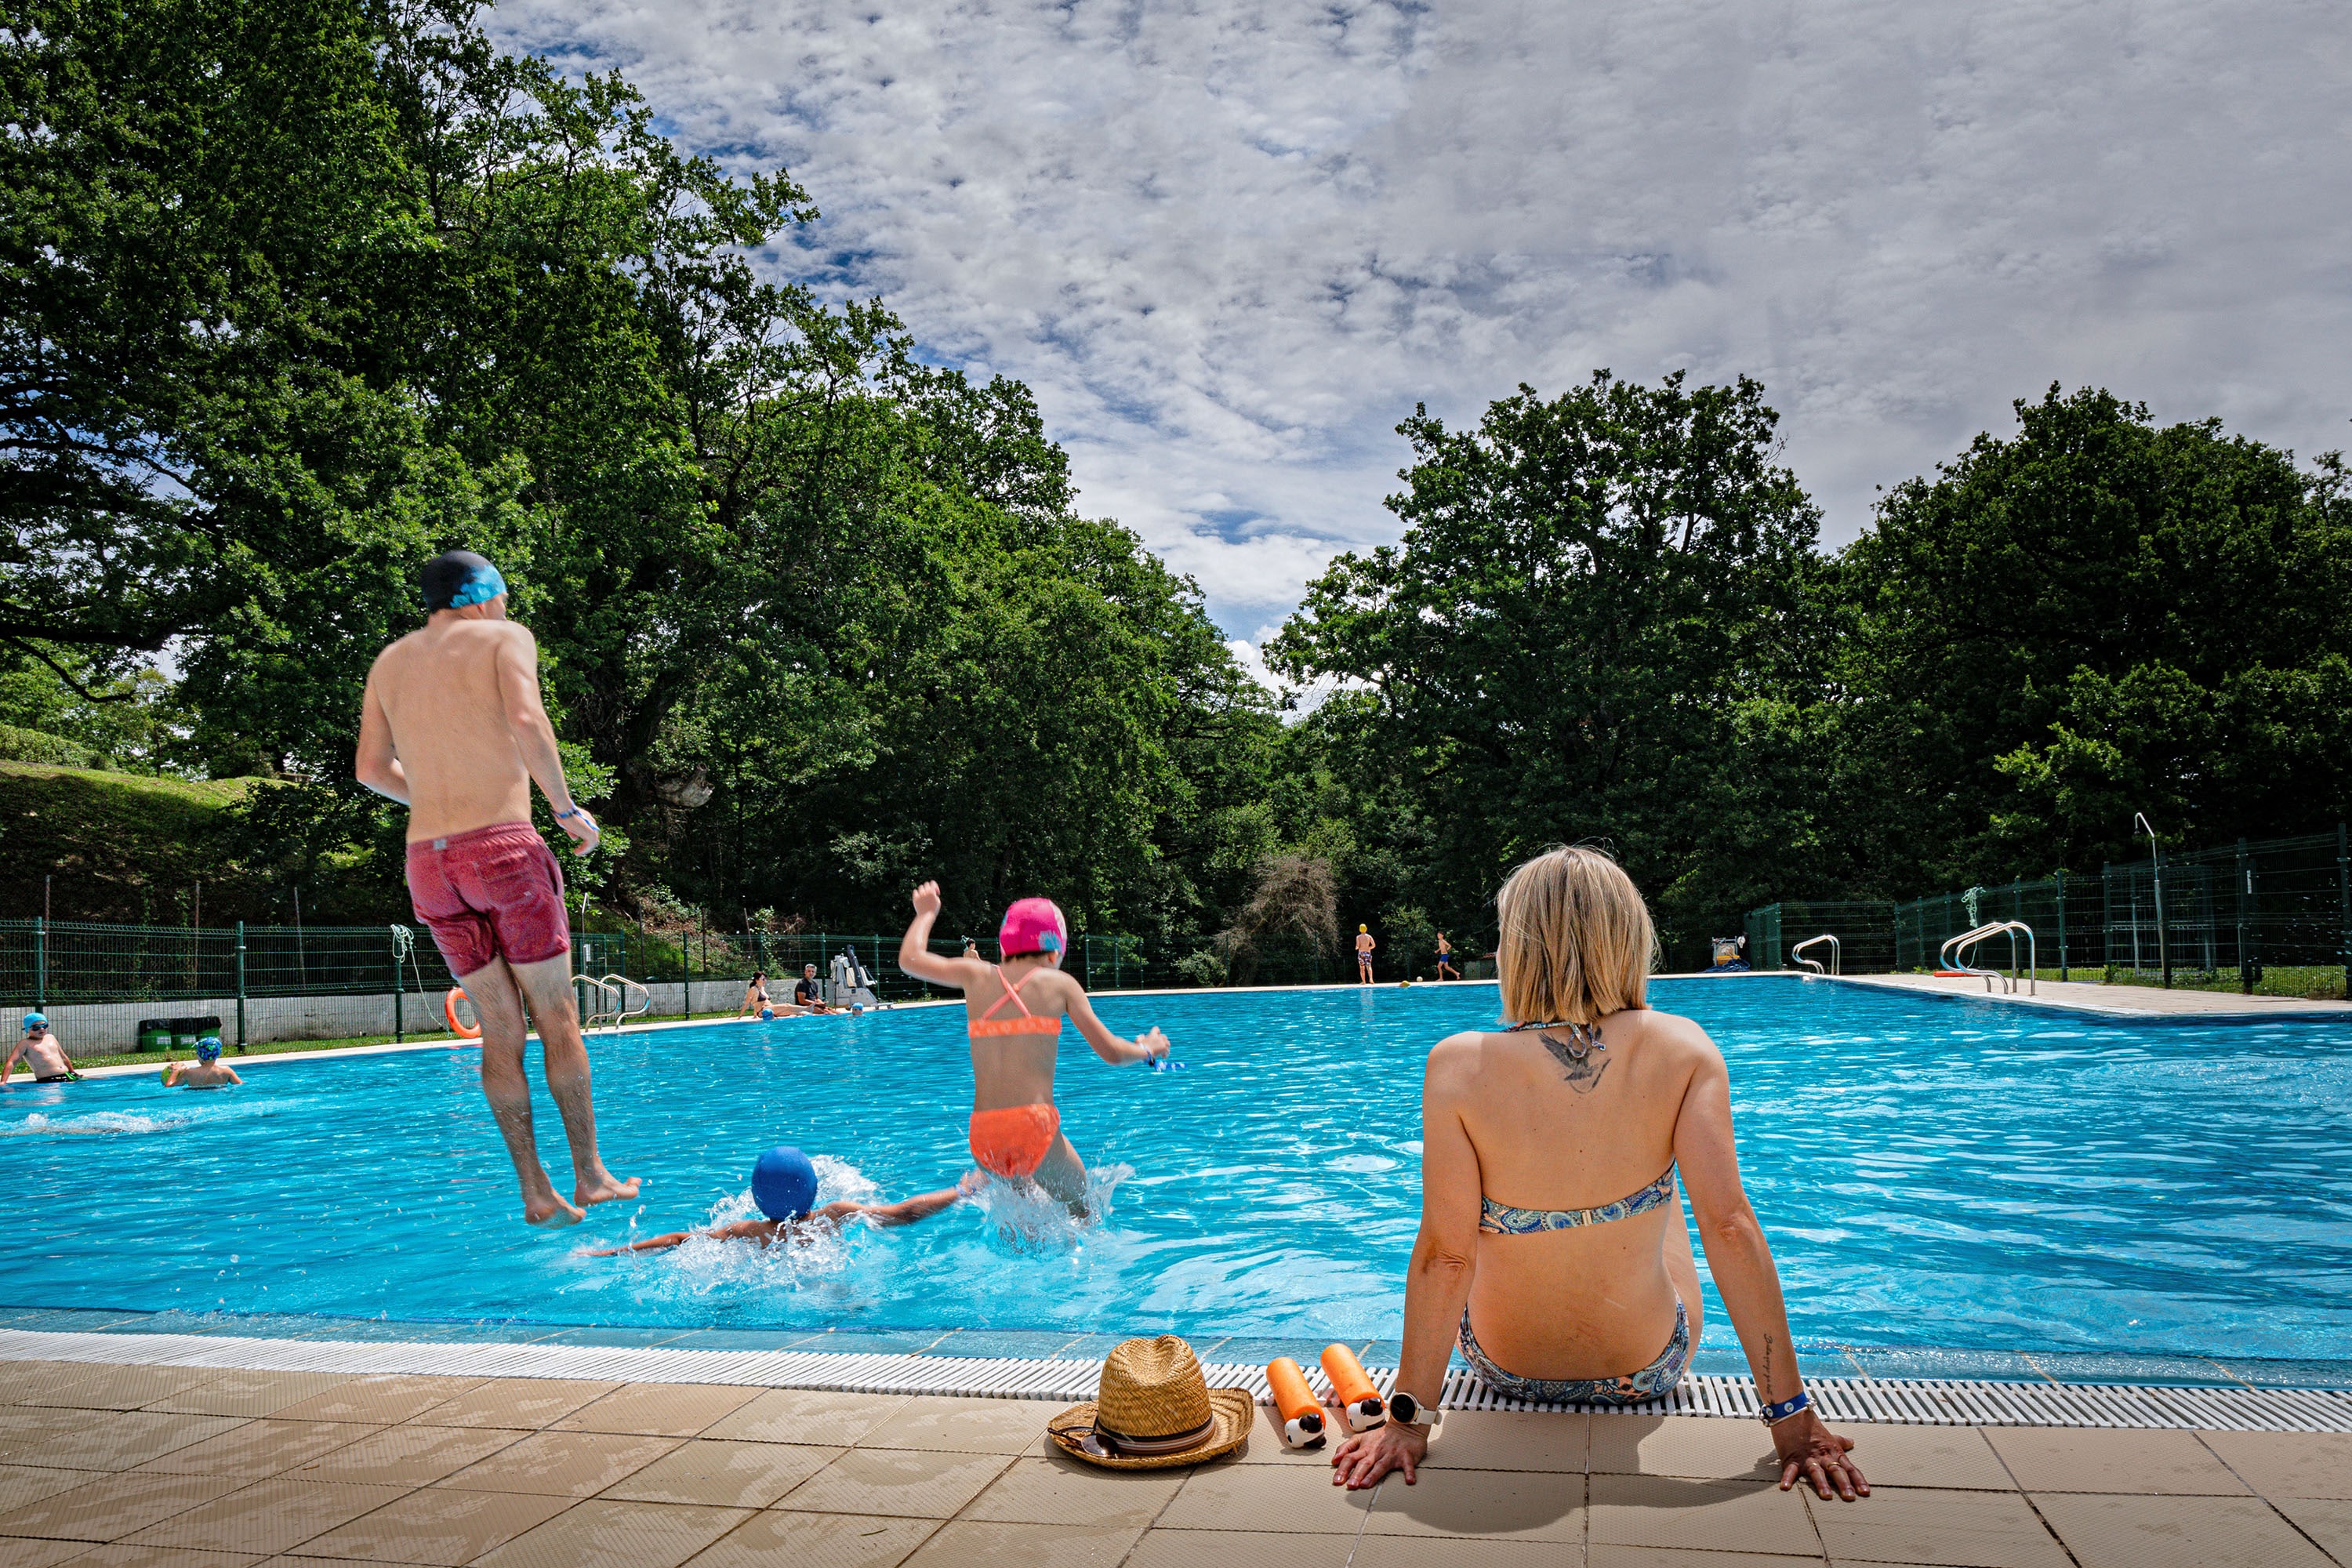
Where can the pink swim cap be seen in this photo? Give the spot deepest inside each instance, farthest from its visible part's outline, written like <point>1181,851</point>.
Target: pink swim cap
<point>1034,925</point>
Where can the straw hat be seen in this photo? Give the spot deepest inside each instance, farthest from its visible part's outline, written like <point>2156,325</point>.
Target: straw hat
<point>1152,1409</point>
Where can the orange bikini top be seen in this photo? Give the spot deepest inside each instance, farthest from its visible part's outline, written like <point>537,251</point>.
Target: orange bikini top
<point>990,1027</point>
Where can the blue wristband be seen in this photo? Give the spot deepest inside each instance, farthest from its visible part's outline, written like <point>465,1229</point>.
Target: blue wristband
<point>1773,1414</point>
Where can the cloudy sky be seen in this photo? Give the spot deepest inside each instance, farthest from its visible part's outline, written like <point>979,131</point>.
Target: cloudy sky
<point>1231,244</point>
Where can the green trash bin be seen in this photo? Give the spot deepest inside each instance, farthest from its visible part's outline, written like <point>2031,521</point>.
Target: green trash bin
<point>154,1034</point>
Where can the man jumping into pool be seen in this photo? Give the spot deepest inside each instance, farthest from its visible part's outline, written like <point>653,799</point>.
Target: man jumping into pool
<point>452,728</point>
<point>1012,1011</point>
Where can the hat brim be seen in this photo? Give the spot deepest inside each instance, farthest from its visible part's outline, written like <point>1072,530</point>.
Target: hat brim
<point>1231,1412</point>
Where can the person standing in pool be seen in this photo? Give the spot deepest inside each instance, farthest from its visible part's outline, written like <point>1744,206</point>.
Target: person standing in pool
<point>207,1071</point>
<point>1364,945</point>
<point>42,1053</point>
<point>1012,1011</point>
<point>452,728</point>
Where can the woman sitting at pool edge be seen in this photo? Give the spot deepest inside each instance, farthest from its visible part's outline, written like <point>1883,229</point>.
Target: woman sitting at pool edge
<point>1552,1240</point>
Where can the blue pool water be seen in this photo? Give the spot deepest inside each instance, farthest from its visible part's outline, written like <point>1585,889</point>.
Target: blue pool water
<point>1931,1173</point>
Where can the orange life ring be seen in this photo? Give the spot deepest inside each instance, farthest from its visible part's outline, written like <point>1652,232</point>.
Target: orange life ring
<point>450,1011</point>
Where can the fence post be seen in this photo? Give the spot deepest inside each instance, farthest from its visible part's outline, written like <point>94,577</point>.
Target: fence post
<point>41,964</point>
<point>399,1036</point>
<point>2246,898</point>
<point>240,985</point>
<point>2061,926</point>
<point>2344,897</point>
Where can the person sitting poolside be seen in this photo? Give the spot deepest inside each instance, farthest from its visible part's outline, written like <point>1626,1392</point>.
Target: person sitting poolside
<point>808,992</point>
<point>805,1227</point>
<point>43,1054</point>
<point>207,1071</point>
<point>1552,1240</point>
<point>755,996</point>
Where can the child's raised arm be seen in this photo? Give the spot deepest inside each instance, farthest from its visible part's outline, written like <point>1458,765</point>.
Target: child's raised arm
<point>914,955</point>
<point>1108,1046</point>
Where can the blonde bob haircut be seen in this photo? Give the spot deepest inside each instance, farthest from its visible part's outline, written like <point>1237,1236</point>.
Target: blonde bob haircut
<point>1576,942</point>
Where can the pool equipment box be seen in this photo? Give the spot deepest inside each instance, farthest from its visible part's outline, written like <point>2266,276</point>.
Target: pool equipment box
<point>164,1033</point>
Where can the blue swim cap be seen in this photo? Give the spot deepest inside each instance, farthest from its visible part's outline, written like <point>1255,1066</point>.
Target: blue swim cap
<point>209,1048</point>
<point>783,1183</point>
<point>456,578</point>
<point>33,1019</point>
<point>766,1013</point>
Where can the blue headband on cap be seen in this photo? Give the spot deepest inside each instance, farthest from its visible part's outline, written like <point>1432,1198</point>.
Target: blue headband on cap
<point>483,586</point>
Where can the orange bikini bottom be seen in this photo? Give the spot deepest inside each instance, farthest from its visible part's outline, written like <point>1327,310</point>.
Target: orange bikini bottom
<point>1013,1141</point>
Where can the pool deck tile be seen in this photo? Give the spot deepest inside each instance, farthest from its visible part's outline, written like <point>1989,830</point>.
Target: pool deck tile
<point>1605,1556</point>
<point>386,1400</point>
<point>408,1456</point>
<point>964,1425</point>
<point>659,1410</point>
<point>1062,1490</point>
<point>103,1439</point>
<point>2070,995</point>
<point>260,1449</point>
<point>108,1508</point>
<point>1693,1447</point>
<point>126,1387</point>
<point>1513,1440</point>
<point>1166,1548</point>
<point>614,1534</point>
<point>2167,1463</point>
<point>2325,1522</point>
<point>818,1540</point>
<point>1668,1512</point>
<point>898,1483</point>
<point>562,1464</point>
<point>1277,1498</point>
<point>1494,1505</point>
<point>1026,1545</point>
<point>273,1515</point>
<point>21,1485</point>
<point>1954,1459</point>
<point>524,1403</point>
<point>724,1473</point>
<point>437,1526</point>
<point>808,1415</point>
<point>1952,1528</point>
<point>2280,1465</point>
<point>2112,1531</point>
<point>252,1393</point>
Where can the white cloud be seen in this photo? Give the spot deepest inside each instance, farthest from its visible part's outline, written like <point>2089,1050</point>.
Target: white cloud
<point>1231,244</point>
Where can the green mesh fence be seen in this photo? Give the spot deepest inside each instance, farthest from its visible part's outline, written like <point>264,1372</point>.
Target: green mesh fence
<point>1863,927</point>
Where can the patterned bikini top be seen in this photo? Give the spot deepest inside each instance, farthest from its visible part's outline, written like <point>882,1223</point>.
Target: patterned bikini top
<point>990,1027</point>
<point>1504,1219</point>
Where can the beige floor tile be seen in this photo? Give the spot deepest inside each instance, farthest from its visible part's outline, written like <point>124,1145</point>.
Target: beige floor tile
<point>260,1449</point>
<point>563,1464</point>
<point>724,1474</point>
<point>659,1409</point>
<point>2047,1459</point>
<point>1063,1490</point>
<point>2139,1532</point>
<point>1669,1557</point>
<point>1954,1458</point>
<point>437,1525</point>
<point>126,1387</point>
<point>1272,1498</point>
<point>1700,1448</point>
<point>1710,1516</point>
<point>274,1515</point>
<point>2288,1464</point>
<point>25,1433</point>
<point>22,1484</point>
<point>250,1392</point>
<point>607,1534</point>
<point>818,1540</point>
<point>529,1403</point>
<point>1953,1529</point>
<point>896,1483</point>
<point>124,1555</point>
<point>1512,1440</point>
<point>408,1456</point>
<point>1244,1548</point>
<point>123,1440</point>
<point>379,1401</point>
<point>808,1415</point>
<point>1458,1552</point>
<point>1516,1505</point>
<point>23,1552</point>
<point>964,1425</point>
<point>29,1380</point>
<point>1025,1545</point>
<point>112,1506</point>
<point>2328,1521</point>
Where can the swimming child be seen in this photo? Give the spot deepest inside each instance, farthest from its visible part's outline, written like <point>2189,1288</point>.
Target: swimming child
<point>207,1071</point>
<point>801,1223</point>
<point>42,1053</point>
<point>1012,1011</point>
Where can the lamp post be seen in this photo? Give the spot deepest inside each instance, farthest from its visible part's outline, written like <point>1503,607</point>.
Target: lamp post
<point>2156,871</point>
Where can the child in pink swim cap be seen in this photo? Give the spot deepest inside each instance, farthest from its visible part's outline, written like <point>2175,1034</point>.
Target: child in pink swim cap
<point>1012,1012</point>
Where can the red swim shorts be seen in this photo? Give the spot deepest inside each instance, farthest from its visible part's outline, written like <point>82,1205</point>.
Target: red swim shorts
<point>1013,1141</point>
<point>494,892</point>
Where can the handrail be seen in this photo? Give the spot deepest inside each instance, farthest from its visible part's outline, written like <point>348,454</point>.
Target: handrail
<point>1836,959</point>
<point>1954,951</point>
<point>610,996</point>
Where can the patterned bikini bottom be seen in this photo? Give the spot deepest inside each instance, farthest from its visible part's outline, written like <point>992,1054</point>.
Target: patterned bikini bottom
<point>1653,1381</point>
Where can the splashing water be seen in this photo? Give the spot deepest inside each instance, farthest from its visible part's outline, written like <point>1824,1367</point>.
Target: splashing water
<point>1029,1221</point>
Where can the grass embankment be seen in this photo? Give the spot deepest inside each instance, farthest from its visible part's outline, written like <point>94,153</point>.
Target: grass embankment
<point>123,847</point>
<point>284,1048</point>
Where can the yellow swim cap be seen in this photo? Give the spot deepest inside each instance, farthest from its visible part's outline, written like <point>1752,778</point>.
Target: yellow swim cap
<point>1363,928</point>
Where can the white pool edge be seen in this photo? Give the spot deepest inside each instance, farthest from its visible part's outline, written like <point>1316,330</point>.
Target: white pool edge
<point>1939,1402</point>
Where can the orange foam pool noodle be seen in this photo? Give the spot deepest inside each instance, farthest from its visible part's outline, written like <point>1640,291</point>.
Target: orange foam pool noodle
<point>1360,1404</point>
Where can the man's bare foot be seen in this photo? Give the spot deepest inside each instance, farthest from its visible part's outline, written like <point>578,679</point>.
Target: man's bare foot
<point>552,1213</point>
<point>604,1188</point>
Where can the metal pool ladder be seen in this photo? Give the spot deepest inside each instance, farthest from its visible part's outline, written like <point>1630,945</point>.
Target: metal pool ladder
<point>1955,952</point>
<point>1797,952</point>
<point>606,1001</point>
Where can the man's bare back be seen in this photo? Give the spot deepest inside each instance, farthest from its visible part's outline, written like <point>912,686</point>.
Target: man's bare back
<point>446,692</point>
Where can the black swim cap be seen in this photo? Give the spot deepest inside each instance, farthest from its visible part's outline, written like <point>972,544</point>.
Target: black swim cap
<point>455,578</point>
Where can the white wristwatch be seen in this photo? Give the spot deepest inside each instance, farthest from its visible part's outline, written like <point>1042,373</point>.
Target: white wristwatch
<point>1406,1410</point>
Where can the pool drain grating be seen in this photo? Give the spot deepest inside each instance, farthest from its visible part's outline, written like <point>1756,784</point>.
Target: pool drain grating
<point>1917,1401</point>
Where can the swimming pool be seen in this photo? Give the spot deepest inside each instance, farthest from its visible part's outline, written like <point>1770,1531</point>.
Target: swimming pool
<point>1931,1172</point>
